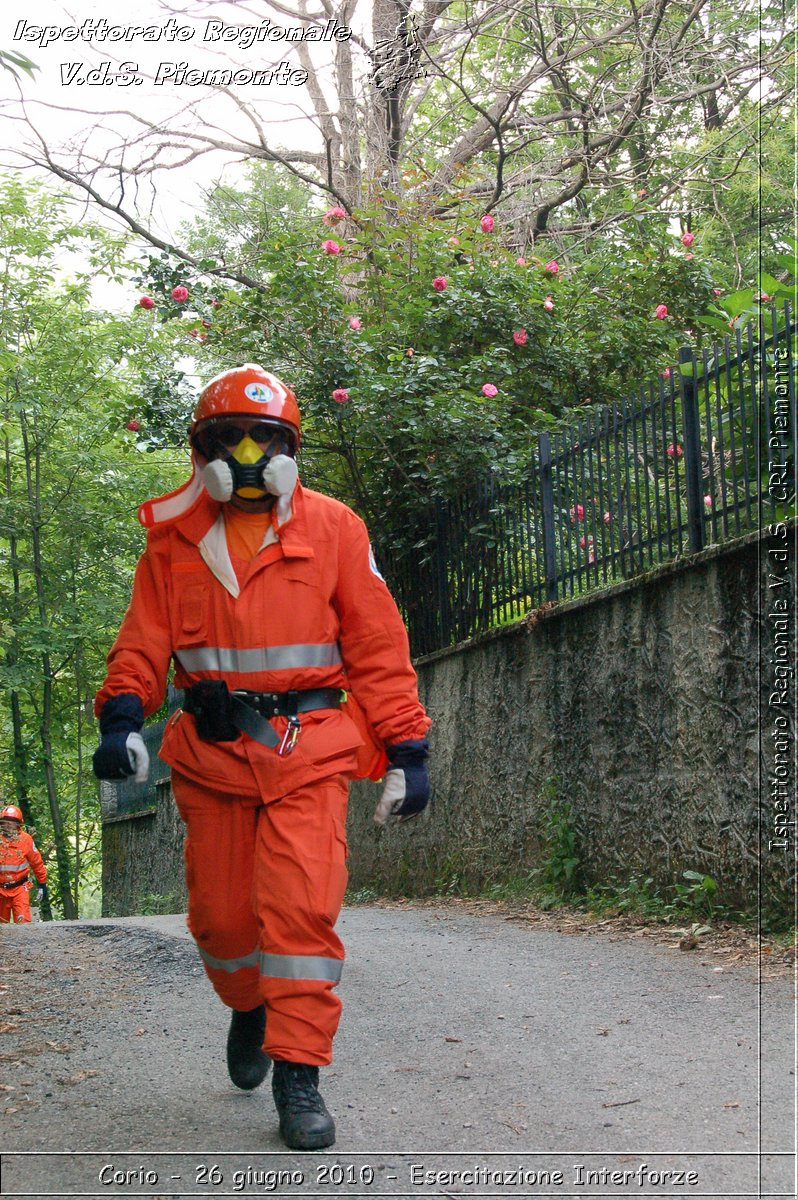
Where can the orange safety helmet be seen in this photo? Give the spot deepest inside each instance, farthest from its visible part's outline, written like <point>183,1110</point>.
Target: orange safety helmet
<point>11,813</point>
<point>246,391</point>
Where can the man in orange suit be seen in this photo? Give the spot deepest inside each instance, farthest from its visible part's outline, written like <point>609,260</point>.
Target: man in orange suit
<point>297,677</point>
<point>18,857</point>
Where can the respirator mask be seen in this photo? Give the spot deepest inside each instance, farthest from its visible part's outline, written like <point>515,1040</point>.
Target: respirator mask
<point>250,460</point>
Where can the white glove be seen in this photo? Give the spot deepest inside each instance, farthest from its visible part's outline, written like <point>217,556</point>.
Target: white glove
<point>139,758</point>
<point>392,798</point>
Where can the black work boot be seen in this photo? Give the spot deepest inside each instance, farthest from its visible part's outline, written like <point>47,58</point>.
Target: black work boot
<point>305,1123</point>
<point>247,1061</point>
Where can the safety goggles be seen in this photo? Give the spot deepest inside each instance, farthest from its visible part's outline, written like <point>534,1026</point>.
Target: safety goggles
<point>226,435</point>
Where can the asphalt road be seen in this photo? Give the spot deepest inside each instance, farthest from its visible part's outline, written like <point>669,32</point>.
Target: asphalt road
<point>476,1056</point>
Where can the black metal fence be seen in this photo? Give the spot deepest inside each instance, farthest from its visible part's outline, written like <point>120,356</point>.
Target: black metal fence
<point>702,454</point>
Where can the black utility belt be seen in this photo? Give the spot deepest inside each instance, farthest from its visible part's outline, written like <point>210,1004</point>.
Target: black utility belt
<point>222,715</point>
<point>15,882</point>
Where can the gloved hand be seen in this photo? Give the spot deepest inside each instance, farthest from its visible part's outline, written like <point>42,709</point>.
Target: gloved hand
<point>121,751</point>
<point>41,893</point>
<point>405,792</point>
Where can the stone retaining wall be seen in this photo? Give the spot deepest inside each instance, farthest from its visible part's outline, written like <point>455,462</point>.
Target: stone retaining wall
<point>645,707</point>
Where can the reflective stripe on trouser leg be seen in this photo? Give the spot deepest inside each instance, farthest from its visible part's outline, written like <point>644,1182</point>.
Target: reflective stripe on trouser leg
<point>300,879</point>
<point>220,841</point>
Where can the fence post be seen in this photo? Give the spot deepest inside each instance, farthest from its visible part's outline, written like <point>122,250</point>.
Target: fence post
<point>692,452</point>
<point>442,580</point>
<point>547,498</point>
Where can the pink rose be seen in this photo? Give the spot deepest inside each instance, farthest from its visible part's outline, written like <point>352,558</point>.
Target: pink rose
<point>674,450</point>
<point>661,312</point>
<point>215,303</point>
<point>331,247</point>
<point>520,337</point>
<point>454,241</point>
<point>520,262</point>
<point>689,257</point>
<point>490,390</point>
<point>591,558</point>
<point>180,293</point>
<point>487,223</point>
<point>355,323</point>
<point>147,302</point>
<point>688,238</point>
<point>133,426</point>
<point>586,543</point>
<point>762,296</point>
<point>717,291</point>
<point>666,374</point>
<point>552,267</point>
<point>607,518</point>
<point>440,283</point>
<point>340,396</point>
<point>548,304</point>
<point>707,502</point>
<point>577,513</point>
<point>334,215</point>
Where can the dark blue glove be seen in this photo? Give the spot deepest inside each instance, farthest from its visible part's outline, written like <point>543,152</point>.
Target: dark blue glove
<point>42,892</point>
<point>120,716</point>
<point>406,790</point>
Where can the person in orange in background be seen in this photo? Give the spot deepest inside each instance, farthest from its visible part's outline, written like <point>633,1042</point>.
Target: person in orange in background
<point>297,678</point>
<point>18,857</point>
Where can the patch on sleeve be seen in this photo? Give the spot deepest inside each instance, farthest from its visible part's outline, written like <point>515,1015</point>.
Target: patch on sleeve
<point>373,565</point>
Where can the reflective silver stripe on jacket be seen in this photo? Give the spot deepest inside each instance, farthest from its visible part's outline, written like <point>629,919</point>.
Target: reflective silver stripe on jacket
<point>279,966</point>
<point>14,867</point>
<point>266,658</point>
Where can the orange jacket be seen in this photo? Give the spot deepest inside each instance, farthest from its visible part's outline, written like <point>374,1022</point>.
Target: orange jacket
<point>17,857</point>
<point>312,611</point>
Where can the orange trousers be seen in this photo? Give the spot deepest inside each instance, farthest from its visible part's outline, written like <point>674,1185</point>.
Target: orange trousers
<point>265,886</point>
<point>14,905</point>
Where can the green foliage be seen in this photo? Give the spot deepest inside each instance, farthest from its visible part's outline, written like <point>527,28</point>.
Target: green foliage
<point>697,893</point>
<point>11,61</point>
<point>692,896</point>
<point>363,895</point>
<point>71,481</point>
<point>415,422</point>
<point>559,875</point>
<point>155,904</point>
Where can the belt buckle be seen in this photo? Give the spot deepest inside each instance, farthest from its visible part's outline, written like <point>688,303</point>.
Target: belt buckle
<point>292,731</point>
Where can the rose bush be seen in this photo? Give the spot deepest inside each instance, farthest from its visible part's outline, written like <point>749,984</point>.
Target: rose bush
<point>439,309</point>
